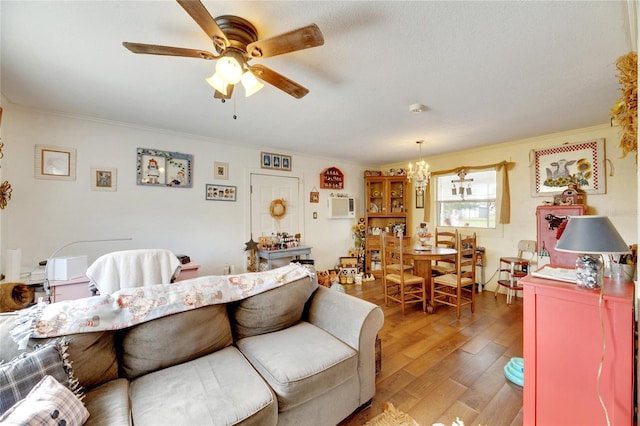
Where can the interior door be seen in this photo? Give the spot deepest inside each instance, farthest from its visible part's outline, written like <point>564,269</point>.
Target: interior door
<point>264,190</point>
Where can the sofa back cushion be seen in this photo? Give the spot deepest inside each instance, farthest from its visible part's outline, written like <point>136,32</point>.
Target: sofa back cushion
<point>92,355</point>
<point>272,310</point>
<point>174,339</point>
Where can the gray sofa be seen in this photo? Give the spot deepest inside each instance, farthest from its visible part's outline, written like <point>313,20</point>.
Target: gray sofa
<point>300,354</point>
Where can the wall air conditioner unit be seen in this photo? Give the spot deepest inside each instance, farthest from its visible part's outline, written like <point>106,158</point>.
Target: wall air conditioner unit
<point>341,207</point>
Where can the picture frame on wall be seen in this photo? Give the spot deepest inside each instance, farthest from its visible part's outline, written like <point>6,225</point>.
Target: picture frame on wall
<point>220,192</point>
<point>265,160</point>
<point>556,167</point>
<point>55,162</point>
<point>286,163</point>
<point>270,160</point>
<point>104,179</point>
<point>419,199</point>
<point>221,170</point>
<point>164,168</point>
<point>275,161</point>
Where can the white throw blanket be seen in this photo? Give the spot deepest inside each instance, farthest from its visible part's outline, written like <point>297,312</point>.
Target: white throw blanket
<point>132,268</point>
<point>131,306</point>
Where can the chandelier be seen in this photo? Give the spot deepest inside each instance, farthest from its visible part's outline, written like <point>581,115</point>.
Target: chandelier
<point>461,181</point>
<point>420,172</point>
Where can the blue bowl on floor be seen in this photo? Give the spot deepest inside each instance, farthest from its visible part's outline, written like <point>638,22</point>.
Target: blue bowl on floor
<point>514,371</point>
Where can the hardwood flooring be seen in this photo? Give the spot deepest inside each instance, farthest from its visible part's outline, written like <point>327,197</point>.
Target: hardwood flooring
<point>436,368</point>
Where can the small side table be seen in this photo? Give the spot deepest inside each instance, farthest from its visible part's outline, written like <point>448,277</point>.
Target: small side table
<point>511,270</point>
<point>294,252</point>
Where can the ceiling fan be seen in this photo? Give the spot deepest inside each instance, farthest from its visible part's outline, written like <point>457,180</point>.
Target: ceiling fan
<point>235,42</point>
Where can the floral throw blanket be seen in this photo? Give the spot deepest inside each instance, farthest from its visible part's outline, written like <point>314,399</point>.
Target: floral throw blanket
<point>130,306</point>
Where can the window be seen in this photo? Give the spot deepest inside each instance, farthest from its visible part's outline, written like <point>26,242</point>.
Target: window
<point>471,204</point>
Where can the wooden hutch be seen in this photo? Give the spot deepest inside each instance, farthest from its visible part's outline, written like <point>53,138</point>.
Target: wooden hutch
<point>386,206</point>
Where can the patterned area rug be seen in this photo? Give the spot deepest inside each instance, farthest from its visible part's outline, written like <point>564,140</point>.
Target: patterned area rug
<point>391,416</point>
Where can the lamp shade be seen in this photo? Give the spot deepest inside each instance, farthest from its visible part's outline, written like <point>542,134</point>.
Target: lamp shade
<point>591,234</point>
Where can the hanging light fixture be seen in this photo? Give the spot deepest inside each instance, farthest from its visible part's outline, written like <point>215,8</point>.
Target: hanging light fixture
<point>230,70</point>
<point>461,181</point>
<point>419,173</point>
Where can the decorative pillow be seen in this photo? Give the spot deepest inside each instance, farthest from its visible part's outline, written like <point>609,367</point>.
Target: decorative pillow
<point>48,403</point>
<point>272,310</point>
<point>19,376</point>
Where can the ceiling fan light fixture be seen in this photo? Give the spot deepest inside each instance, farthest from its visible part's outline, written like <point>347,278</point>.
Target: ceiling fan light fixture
<point>250,83</point>
<point>217,83</point>
<point>229,68</point>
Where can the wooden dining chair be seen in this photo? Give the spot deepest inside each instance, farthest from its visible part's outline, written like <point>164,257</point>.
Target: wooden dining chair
<point>458,289</point>
<point>399,285</point>
<point>446,239</point>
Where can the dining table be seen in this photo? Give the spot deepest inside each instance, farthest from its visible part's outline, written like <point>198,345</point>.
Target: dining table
<point>422,262</point>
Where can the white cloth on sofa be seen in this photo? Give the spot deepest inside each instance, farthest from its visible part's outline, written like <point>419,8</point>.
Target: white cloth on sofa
<point>133,268</point>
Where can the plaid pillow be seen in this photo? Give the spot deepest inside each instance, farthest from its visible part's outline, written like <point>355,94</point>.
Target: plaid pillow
<point>48,403</point>
<point>19,376</point>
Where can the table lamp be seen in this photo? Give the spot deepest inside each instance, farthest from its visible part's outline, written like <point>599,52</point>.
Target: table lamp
<point>590,236</point>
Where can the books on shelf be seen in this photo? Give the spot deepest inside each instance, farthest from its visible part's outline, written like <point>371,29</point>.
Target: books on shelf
<point>556,273</point>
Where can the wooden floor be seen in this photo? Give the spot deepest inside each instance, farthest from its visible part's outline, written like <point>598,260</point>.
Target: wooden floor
<point>437,368</point>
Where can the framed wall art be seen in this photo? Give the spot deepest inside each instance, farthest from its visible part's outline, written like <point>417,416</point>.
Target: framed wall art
<point>104,179</point>
<point>419,199</point>
<point>164,168</point>
<point>220,192</point>
<point>582,163</point>
<point>270,160</point>
<point>54,162</point>
<point>221,170</point>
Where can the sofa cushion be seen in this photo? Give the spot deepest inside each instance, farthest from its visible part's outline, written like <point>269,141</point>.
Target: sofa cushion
<point>92,355</point>
<point>272,310</point>
<point>109,403</point>
<point>48,403</point>
<point>300,362</point>
<point>18,377</point>
<point>174,339</point>
<point>220,388</point>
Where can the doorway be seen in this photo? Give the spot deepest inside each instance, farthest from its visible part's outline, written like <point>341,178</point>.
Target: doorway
<point>264,190</point>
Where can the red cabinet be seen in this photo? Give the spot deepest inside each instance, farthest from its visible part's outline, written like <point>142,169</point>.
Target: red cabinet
<point>563,345</point>
<point>547,231</point>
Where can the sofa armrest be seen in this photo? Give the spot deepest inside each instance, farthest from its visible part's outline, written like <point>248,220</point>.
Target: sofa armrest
<point>354,321</point>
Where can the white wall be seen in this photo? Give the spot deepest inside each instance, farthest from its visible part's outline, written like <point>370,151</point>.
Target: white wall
<point>46,214</point>
<point>620,202</point>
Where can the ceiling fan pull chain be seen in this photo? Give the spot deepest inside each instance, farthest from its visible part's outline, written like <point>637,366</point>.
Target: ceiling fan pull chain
<point>235,117</point>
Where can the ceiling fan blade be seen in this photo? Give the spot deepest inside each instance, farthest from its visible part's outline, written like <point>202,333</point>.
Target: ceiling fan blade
<point>153,49</point>
<point>219,95</point>
<point>201,15</point>
<point>279,81</point>
<point>302,38</point>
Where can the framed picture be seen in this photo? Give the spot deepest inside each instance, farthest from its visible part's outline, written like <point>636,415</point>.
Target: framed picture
<point>104,179</point>
<point>54,162</point>
<point>286,163</point>
<point>314,196</point>
<point>265,160</point>
<point>269,160</point>
<point>582,163</point>
<point>164,168</point>
<point>220,192</point>
<point>221,171</point>
<point>419,199</point>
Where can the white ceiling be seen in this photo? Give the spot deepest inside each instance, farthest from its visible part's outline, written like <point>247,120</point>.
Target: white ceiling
<point>489,72</point>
